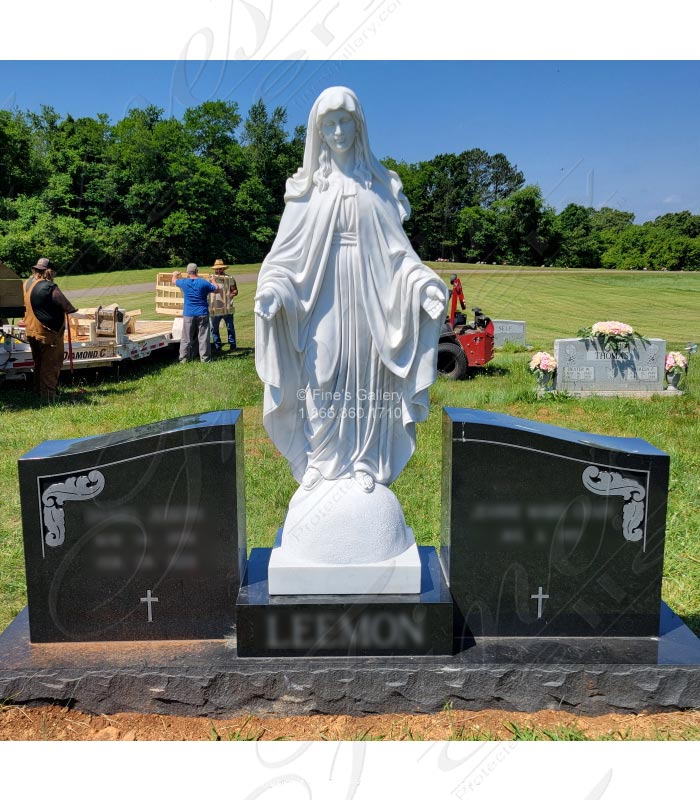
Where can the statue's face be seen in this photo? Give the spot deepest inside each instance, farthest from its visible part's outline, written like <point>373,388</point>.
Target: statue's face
<point>338,130</point>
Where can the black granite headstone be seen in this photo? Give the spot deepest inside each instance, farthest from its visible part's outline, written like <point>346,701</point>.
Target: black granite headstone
<point>344,625</point>
<point>551,532</point>
<point>138,534</point>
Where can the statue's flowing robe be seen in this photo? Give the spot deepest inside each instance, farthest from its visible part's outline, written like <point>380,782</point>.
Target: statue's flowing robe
<point>348,360</point>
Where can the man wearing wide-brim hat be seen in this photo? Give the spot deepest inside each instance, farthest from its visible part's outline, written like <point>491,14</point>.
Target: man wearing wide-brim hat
<point>219,310</point>
<point>44,322</point>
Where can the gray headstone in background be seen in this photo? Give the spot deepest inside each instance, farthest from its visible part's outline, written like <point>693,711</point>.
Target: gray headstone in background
<point>584,367</point>
<point>508,330</point>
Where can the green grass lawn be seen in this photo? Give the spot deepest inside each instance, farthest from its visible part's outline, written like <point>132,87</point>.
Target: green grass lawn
<point>108,280</point>
<point>554,304</point>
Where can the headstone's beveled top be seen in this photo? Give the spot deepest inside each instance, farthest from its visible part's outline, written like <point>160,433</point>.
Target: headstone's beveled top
<point>177,426</point>
<point>495,420</point>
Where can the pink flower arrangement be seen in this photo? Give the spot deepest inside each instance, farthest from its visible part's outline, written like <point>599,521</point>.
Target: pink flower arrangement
<point>612,335</point>
<point>611,328</point>
<point>543,362</point>
<point>676,362</point>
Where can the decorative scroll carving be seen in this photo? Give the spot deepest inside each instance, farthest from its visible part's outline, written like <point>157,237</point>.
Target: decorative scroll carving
<point>82,487</point>
<point>605,482</point>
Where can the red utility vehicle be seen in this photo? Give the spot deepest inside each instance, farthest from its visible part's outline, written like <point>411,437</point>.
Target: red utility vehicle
<point>463,346</point>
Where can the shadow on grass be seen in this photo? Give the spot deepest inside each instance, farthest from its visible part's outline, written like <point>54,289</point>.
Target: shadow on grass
<point>486,371</point>
<point>21,398</point>
<point>239,352</point>
<point>87,384</point>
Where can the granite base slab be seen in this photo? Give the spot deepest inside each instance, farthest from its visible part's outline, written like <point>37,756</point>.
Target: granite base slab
<point>345,624</point>
<point>621,393</point>
<point>206,678</point>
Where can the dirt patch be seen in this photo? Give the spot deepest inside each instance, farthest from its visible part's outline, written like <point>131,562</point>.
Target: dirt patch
<point>55,723</point>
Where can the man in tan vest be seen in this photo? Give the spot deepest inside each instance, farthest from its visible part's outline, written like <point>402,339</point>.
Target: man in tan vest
<point>44,321</point>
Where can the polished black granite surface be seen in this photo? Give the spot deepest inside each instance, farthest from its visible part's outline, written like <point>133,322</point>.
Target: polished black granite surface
<point>551,532</point>
<point>138,534</point>
<point>338,625</point>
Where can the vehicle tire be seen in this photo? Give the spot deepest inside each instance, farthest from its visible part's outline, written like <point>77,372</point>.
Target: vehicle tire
<point>452,362</point>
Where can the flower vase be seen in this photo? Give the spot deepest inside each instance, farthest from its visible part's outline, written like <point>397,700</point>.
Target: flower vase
<point>543,381</point>
<point>673,379</point>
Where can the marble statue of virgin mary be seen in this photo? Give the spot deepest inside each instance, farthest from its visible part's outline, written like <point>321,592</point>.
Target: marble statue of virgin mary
<point>347,315</point>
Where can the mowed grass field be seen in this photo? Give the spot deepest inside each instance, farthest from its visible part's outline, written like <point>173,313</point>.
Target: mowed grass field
<point>554,303</point>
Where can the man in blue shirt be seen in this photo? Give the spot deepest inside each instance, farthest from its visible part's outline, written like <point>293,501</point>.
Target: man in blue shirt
<point>195,314</point>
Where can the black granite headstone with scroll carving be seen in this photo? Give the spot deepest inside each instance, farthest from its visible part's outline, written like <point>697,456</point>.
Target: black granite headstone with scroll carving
<point>138,534</point>
<point>551,532</point>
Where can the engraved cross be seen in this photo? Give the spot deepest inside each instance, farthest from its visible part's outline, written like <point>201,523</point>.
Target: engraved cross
<point>539,597</point>
<point>149,599</point>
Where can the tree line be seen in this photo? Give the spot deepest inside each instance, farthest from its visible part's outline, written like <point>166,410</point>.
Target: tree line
<point>156,191</point>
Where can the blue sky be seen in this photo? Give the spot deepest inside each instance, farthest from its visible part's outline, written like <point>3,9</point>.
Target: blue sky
<point>619,133</point>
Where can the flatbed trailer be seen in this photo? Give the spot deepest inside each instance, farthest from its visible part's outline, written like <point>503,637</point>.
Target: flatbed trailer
<point>89,349</point>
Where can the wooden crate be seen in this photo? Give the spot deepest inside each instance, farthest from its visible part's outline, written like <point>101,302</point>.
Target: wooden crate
<point>11,296</point>
<point>225,282</point>
<point>169,299</point>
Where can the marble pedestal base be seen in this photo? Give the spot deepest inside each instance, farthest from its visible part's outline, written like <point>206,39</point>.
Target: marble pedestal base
<point>289,575</point>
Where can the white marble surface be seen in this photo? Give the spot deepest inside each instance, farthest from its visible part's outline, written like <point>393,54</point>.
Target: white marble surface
<point>398,575</point>
<point>347,323</point>
<point>338,522</point>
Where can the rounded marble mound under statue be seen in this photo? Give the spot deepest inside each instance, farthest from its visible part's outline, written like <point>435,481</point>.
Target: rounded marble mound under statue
<point>347,324</point>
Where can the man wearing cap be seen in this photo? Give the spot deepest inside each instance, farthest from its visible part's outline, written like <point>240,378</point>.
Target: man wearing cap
<point>218,307</point>
<point>195,314</point>
<point>44,322</point>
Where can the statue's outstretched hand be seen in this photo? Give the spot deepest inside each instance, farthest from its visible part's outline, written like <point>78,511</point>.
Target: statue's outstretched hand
<point>267,304</point>
<point>433,301</point>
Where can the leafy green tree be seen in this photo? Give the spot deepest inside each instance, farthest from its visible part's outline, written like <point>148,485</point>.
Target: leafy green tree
<point>438,190</point>
<point>579,245</point>
<point>653,247</point>
<point>526,227</point>
<point>609,222</point>
<point>155,191</point>
<point>34,231</point>
<point>503,179</point>
<point>682,223</point>
<point>22,167</point>
<point>272,157</point>
<point>480,235</point>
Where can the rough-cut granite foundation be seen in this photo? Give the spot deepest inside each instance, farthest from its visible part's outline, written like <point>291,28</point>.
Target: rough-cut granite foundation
<point>208,679</point>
